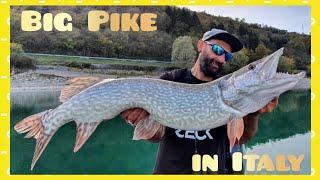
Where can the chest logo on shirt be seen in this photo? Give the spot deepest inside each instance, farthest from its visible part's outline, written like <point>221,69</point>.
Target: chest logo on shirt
<point>199,135</point>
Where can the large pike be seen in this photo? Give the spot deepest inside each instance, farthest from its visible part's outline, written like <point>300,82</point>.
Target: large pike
<point>89,101</point>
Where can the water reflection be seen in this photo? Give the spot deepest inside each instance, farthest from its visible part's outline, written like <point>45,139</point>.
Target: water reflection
<point>295,145</point>
<point>292,116</point>
<point>110,149</point>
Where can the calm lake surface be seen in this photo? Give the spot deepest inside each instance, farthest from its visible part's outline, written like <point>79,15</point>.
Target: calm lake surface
<point>110,149</point>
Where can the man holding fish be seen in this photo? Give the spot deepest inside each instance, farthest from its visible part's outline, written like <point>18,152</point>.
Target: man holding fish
<point>177,146</point>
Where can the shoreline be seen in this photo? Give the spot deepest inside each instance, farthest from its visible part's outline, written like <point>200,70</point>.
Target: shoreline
<point>54,80</point>
<point>44,79</point>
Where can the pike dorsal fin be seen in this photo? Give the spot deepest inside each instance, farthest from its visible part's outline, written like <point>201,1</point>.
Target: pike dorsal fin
<point>76,85</point>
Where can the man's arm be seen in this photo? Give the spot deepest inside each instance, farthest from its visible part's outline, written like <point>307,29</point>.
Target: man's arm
<point>251,121</point>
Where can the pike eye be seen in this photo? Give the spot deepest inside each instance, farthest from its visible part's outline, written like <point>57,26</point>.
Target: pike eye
<point>251,66</point>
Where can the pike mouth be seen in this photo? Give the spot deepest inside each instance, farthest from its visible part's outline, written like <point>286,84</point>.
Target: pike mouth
<point>281,82</point>
<point>268,69</point>
<point>287,76</point>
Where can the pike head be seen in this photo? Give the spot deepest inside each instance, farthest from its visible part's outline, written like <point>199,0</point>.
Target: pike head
<point>250,88</point>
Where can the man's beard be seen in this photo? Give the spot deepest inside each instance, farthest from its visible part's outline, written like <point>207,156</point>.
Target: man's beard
<point>208,69</point>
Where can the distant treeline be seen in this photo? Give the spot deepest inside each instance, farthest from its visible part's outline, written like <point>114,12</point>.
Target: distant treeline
<point>172,22</point>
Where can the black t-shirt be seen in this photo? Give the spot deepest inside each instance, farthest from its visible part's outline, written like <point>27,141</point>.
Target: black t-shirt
<point>176,149</point>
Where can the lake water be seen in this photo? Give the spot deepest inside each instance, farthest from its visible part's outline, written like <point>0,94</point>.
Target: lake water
<point>110,149</point>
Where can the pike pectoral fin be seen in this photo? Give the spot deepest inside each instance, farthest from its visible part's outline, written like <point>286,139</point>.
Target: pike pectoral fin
<point>84,131</point>
<point>147,128</point>
<point>76,85</point>
<point>235,131</point>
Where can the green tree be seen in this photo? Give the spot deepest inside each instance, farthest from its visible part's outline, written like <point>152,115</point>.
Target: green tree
<point>106,46</point>
<point>259,52</point>
<point>220,26</point>
<point>286,64</point>
<point>243,29</point>
<point>18,62</point>
<point>253,40</point>
<point>16,48</point>
<point>183,53</point>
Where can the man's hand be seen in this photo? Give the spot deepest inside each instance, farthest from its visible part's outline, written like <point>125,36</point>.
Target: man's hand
<point>270,106</point>
<point>134,115</point>
<point>251,120</point>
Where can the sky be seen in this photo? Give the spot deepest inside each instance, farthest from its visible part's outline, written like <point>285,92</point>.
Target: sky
<point>290,18</point>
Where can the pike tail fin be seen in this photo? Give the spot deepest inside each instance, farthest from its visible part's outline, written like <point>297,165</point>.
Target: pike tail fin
<point>33,125</point>
<point>42,142</point>
<point>84,131</point>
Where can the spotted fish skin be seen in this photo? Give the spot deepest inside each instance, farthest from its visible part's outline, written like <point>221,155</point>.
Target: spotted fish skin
<point>177,105</point>
<point>171,104</point>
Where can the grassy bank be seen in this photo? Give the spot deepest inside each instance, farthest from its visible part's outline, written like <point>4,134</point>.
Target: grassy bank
<point>97,65</point>
<point>63,60</point>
